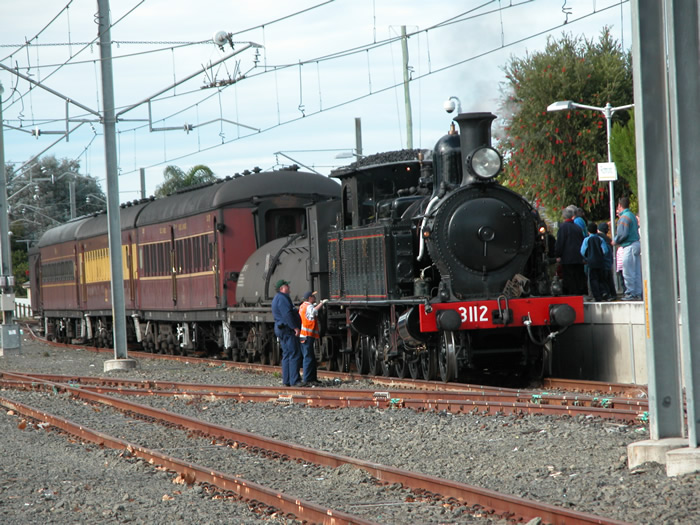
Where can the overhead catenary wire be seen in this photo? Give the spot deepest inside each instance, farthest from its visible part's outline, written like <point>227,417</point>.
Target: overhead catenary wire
<point>371,89</point>
<point>373,92</point>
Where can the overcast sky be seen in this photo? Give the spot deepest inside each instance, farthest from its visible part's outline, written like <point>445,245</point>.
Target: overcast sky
<point>304,71</point>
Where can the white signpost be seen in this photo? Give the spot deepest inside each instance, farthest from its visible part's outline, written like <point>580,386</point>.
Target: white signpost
<point>607,172</point>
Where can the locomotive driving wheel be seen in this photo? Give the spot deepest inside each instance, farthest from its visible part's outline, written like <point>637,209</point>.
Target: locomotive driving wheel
<point>376,357</point>
<point>428,364</point>
<point>384,349</point>
<point>413,360</point>
<point>362,355</point>
<point>447,359</point>
<point>401,364</point>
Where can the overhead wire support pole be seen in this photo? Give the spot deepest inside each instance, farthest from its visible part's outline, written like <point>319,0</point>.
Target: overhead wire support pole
<point>655,185</point>
<point>406,89</point>
<point>683,35</point>
<point>9,333</point>
<point>113,220</point>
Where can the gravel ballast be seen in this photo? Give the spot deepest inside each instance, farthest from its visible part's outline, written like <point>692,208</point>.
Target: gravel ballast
<point>579,463</point>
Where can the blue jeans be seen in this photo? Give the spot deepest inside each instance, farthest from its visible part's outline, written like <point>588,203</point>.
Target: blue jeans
<point>632,269</point>
<point>307,350</point>
<point>291,359</point>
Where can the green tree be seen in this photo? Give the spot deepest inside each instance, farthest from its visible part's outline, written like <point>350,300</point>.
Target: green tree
<point>39,196</point>
<point>176,179</point>
<point>39,199</point>
<point>551,158</point>
<point>624,152</point>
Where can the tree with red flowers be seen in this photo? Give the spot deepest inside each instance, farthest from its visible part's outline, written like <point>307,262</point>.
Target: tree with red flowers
<point>551,158</point>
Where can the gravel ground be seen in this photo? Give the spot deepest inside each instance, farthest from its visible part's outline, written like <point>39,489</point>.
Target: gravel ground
<point>579,463</point>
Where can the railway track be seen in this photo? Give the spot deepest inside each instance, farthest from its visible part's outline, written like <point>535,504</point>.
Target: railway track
<point>480,400</point>
<point>426,489</point>
<point>554,391</point>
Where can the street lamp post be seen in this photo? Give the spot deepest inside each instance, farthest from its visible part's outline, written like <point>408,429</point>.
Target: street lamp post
<point>607,111</point>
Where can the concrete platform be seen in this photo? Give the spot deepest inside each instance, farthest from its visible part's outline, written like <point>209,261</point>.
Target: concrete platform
<point>610,346</point>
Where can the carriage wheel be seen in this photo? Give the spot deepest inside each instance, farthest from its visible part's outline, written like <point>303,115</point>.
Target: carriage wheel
<point>276,355</point>
<point>264,356</point>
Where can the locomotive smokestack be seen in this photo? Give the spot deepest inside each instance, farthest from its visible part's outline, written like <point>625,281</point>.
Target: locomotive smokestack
<point>475,132</point>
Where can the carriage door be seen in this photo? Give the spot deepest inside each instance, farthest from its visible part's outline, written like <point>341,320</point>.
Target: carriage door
<point>173,264</point>
<point>214,257</point>
<point>76,274</point>
<point>130,270</point>
<point>81,272</point>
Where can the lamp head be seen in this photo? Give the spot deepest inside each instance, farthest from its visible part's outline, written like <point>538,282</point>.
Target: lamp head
<point>560,105</point>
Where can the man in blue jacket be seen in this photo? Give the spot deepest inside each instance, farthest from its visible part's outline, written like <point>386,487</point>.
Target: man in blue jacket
<point>627,236</point>
<point>287,328</point>
<point>594,251</point>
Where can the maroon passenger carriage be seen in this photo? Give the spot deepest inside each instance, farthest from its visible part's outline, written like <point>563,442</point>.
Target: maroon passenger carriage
<point>182,256</point>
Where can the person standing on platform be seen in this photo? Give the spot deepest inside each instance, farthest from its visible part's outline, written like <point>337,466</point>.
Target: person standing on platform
<point>594,251</point>
<point>627,236</point>
<point>287,328</point>
<point>308,312</point>
<point>580,219</point>
<point>603,230</point>
<point>567,250</point>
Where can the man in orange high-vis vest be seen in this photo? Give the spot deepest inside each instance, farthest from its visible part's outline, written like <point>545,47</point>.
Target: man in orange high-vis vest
<point>308,311</point>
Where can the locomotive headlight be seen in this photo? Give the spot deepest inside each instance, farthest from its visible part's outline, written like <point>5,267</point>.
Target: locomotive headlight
<point>485,163</point>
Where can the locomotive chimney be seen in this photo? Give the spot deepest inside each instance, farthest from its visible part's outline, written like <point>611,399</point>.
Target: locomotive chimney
<point>475,131</point>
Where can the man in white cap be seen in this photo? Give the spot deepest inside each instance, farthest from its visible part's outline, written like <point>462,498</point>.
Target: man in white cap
<point>308,312</point>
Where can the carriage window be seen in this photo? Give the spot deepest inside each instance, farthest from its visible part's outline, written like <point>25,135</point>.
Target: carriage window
<point>281,223</point>
<point>196,253</point>
<point>179,256</point>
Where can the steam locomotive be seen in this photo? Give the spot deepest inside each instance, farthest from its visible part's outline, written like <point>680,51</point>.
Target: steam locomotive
<point>432,268</point>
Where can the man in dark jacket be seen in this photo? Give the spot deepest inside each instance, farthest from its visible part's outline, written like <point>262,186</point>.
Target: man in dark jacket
<point>567,250</point>
<point>287,328</point>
